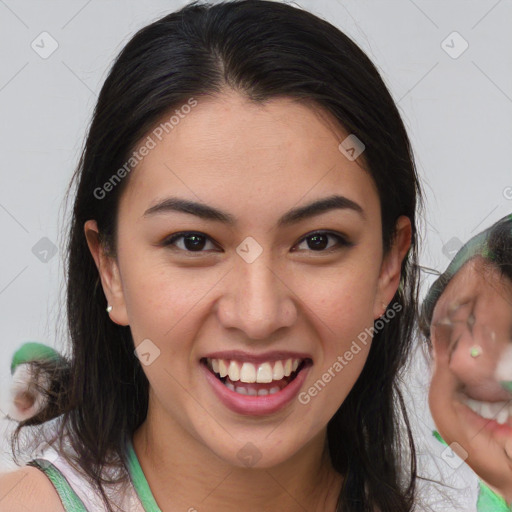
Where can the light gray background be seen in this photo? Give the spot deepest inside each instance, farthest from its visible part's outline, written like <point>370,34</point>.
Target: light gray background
<point>457,111</point>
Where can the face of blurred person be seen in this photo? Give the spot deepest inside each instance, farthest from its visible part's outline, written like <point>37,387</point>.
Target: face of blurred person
<point>471,333</point>
<point>249,244</point>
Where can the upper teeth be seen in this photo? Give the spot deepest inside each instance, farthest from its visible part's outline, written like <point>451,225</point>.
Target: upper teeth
<point>248,372</point>
<point>498,411</point>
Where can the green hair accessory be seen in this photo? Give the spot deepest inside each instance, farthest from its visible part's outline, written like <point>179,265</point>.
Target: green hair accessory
<point>33,351</point>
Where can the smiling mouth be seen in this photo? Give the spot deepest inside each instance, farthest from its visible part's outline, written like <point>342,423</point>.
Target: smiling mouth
<point>250,379</point>
<point>500,412</point>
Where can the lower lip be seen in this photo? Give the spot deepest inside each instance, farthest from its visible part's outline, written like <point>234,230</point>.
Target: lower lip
<point>487,424</point>
<point>256,405</point>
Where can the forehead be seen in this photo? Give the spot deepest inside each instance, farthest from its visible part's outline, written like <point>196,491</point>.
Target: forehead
<point>479,281</point>
<point>229,150</point>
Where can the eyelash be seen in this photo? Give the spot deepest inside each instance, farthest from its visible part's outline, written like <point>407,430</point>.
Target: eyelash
<point>342,242</point>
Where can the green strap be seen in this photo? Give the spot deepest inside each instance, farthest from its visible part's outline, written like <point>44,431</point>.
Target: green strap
<point>67,495</point>
<point>139,480</point>
<point>437,435</point>
<point>507,384</point>
<point>72,502</point>
<point>489,501</point>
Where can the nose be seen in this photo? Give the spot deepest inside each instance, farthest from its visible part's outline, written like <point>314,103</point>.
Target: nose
<point>475,354</point>
<point>258,300</point>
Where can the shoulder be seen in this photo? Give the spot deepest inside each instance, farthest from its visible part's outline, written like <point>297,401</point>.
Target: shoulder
<point>28,488</point>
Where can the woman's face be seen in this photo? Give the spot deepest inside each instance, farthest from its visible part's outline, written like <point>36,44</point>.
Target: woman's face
<point>253,289</point>
<point>471,332</point>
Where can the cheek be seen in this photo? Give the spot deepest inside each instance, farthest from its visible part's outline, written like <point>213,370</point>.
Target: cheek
<point>440,398</point>
<point>159,297</point>
<point>145,299</point>
<point>340,309</point>
<point>166,306</point>
<point>435,399</point>
<point>343,305</point>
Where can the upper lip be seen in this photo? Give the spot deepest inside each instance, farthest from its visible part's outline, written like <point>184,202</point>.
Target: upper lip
<point>486,392</point>
<point>240,355</point>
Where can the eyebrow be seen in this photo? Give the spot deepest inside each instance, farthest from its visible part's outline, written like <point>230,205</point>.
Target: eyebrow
<point>295,215</point>
<point>455,306</point>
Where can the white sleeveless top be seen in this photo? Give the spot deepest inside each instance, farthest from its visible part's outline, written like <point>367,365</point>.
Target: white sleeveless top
<point>78,494</point>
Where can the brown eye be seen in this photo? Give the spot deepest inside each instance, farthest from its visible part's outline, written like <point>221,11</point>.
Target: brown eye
<point>189,242</point>
<point>319,241</point>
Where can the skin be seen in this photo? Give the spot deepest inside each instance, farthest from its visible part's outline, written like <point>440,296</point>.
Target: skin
<point>480,290</point>
<point>28,489</point>
<point>256,163</point>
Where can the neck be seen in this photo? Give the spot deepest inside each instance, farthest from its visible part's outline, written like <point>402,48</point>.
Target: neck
<point>184,474</point>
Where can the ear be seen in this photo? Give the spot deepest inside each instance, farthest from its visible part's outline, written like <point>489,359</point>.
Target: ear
<point>108,271</point>
<point>390,272</point>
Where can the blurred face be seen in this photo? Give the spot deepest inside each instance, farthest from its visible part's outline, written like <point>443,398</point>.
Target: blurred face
<point>471,337</point>
<point>249,258</point>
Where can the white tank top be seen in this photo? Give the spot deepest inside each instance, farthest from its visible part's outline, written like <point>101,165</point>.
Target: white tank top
<point>78,494</point>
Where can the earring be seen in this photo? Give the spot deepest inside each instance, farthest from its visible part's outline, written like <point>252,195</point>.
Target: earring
<point>109,308</point>
<point>475,351</point>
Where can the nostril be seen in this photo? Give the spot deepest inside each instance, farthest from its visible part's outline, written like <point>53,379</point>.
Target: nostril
<point>468,363</point>
<point>475,351</point>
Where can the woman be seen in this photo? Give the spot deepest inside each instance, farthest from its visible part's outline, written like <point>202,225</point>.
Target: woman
<point>244,225</point>
<point>467,319</point>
